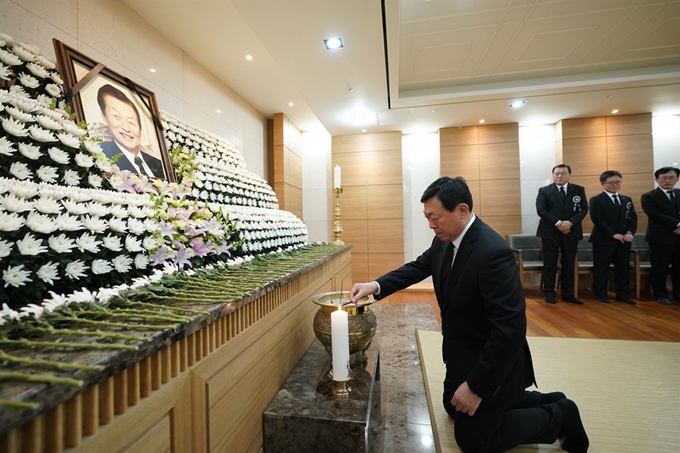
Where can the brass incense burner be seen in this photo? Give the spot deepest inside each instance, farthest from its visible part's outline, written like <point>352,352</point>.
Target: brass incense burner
<point>361,321</point>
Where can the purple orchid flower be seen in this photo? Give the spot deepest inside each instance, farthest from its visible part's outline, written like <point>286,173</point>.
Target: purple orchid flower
<point>163,254</point>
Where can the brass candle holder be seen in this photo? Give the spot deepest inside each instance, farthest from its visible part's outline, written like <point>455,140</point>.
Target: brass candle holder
<point>341,388</point>
<point>337,225</point>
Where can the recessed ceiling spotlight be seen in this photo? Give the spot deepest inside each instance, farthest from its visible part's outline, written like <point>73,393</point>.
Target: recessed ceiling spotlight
<point>608,96</point>
<point>290,104</point>
<point>350,89</point>
<point>249,57</point>
<point>363,130</point>
<point>362,117</point>
<point>434,110</point>
<point>518,104</point>
<point>615,111</point>
<point>152,70</point>
<point>333,43</point>
<point>481,121</point>
<point>218,111</point>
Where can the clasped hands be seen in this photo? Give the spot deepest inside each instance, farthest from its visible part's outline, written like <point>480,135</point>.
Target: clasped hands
<point>623,238</point>
<point>465,400</point>
<point>565,226</point>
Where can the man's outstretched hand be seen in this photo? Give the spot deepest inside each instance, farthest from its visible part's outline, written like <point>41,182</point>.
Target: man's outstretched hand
<point>360,290</point>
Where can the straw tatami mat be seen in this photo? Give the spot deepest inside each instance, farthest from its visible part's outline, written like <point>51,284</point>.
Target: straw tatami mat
<point>628,392</point>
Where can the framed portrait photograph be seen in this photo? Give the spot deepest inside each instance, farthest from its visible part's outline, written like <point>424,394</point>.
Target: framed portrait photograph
<point>120,112</point>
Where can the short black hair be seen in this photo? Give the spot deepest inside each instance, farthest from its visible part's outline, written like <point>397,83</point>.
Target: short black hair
<point>110,90</point>
<point>664,170</point>
<point>608,174</point>
<point>450,191</point>
<point>561,166</point>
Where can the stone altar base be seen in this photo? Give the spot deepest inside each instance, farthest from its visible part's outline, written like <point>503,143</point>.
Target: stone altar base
<point>305,416</point>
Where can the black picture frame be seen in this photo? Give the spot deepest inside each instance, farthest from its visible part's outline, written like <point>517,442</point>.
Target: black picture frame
<point>83,78</point>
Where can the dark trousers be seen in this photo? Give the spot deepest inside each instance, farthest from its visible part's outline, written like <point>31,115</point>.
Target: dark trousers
<point>551,250</point>
<point>662,256</point>
<point>603,256</point>
<point>528,422</point>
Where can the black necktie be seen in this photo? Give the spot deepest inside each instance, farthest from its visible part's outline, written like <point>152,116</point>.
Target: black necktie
<point>674,201</point>
<point>563,195</point>
<point>616,200</point>
<point>447,261</point>
<point>140,163</point>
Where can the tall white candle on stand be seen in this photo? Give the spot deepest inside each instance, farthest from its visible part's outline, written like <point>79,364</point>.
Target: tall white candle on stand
<point>336,177</point>
<point>340,344</point>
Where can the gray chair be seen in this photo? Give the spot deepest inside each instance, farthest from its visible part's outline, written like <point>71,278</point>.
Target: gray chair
<point>527,248</point>
<point>640,262</point>
<point>583,264</point>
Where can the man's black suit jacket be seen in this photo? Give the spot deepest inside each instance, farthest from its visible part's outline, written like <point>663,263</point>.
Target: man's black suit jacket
<point>155,165</point>
<point>608,219</point>
<point>551,209</point>
<point>663,216</point>
<point>483,314</point>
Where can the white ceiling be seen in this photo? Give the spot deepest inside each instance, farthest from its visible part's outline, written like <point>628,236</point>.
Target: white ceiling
<point>419,65</point>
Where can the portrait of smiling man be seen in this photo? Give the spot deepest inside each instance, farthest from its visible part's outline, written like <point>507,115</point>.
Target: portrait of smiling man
<point>122,118</point>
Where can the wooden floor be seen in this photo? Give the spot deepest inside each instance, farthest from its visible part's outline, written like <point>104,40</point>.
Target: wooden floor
<point>645,321</point>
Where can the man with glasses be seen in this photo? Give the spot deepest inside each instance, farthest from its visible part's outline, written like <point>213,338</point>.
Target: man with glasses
<point>561,207</point>
<point>614,224</point>
<point>662,206</point>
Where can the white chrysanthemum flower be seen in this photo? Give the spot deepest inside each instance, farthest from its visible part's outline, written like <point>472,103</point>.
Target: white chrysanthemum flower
<point>84,161</point>
<point>98,209</point>
<point>37,70</point>
<point>122,263</point>
<point>47,174</point>
<point>14,127</point>
<point>56,79</point>
<point>92,147</point>
<point>28,81</point>
<point>5,249</point>
<point>30,151</point>
<point>116,180</point>
<point>95,224</point>
<point>95,180</point>
<point>118,225</point>
<point>58,155</point>
<point>48,123</point>
<point>6,147</point>
<point>30,246</point>
<point>54,114</point>
<point>119,211</point>
<point>32,310</point>
<point>53,90</point>
<point>71,178</point>
<point>61,243</point>
<point>151,225</point>
<point>112,243</point>
<point>41,135</point>
<point>41,223</point>
<point>72,128</point>
<point>88,242</point>
<point>101,267</point>
<point>47,205</point>
<point>132,244</point>
<point>107,293</point>
<point>141,261</point>
<point>12,203</point>
<point>104,165</point>
<point>45,62</point>
<point>74,207</point>
<point>16,276</point>
<point>150,243</point>
<point>20,170</point>
<point>69,140</point>
<point>137,212</point>
<point>48,273</point>
<point>80,195</point>
<point>136,226</point>
<point>5,73</point>
<point>76,270</point>
<point>20,115</point>
<point>9,58</point>
<point>22,53</point>
<point>68,222</point>
<point>18,91</point>
<point>56,301</point>
<point>84,295</point>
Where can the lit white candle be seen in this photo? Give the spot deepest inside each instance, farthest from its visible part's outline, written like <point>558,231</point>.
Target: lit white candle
<point>340,344</point>
<point>336,177</point>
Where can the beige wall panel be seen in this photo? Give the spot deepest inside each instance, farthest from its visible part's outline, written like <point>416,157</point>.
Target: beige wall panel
<point>460,161</point>
<point>629,124</point>
<point>293,200</point>
<point>559,151</point>
<point>592,186</point>
<point>280,191</point>
<point>385,201</point>
<point>348,143</point>
<point>383,141</point>
<point>381,263</point>
<point>355,232</point>
<point>293,168</point>
<point>353,168</point>
<point>353,203</point>
<point>634,185</point>
<point>499,133</point>
<point>279,164</point>
<point>501,197</point>
<point>386,236</point>
<point>499,161</point>
<point>383,167</point>
<point>456,136</point>
<point>585,156</point>
<point>292,137</point>
<point>504,225</point>
<point>157,439</point>
<point>630,153</point>
<point>278,122</point>
<point>477,205</point>
<point>359,267</point>
<point>584,127</point>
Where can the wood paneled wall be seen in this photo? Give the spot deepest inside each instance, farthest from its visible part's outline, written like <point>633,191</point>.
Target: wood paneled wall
<point>593,145</point>
<point>372,201</point>
<point>488,158</point>
<point>286,164</point>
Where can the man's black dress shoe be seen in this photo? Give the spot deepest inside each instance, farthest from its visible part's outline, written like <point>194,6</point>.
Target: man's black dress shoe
<point>663,301</point>
<point>550,299</point>
<point>626,300</point>
<point>572,299</point>
<point>604,300</point>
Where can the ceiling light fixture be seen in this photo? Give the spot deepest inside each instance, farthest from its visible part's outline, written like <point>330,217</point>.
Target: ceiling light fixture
<point>152,70</point>
<point>249,57</point>
<point>333,43</point>
<point>218,111</point>
<point>363,130</point>
<point>615,111</point>
<point>518,104</point>
<point>290,104</point>
<point>362,117</point>
<point>481,121</point>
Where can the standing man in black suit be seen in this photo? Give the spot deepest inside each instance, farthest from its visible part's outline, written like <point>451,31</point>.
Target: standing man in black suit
<point>614,224</point>
<point>488,362</point>
<point>122,118</point>
<point>662,206</point>
<point>561,207</point>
